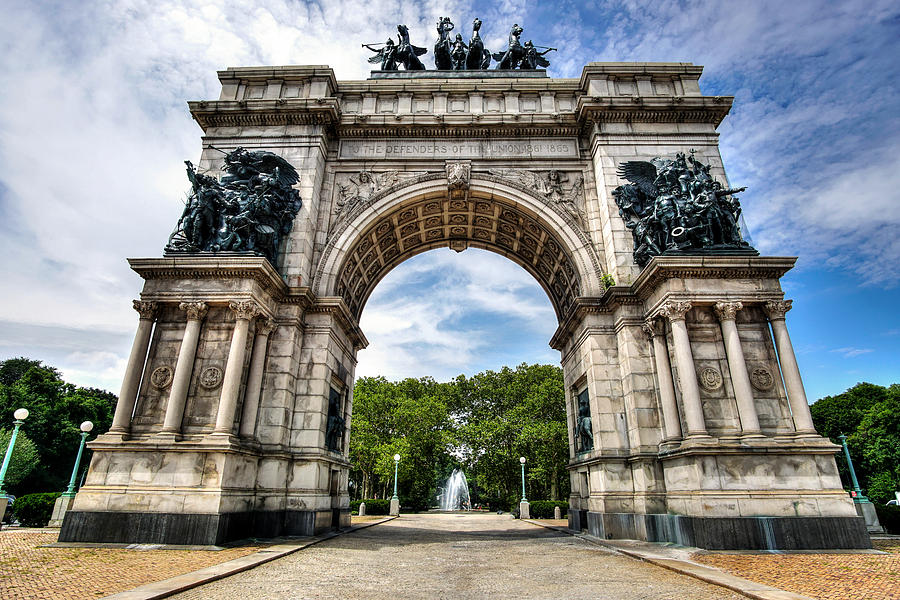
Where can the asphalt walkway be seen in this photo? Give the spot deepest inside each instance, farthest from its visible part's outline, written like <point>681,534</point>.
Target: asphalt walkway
<point>458,556</point>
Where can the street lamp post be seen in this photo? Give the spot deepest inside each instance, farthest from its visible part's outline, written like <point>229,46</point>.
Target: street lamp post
<point>522,460</point>
<point>395,500</point>
<point>67,498</point>
<point>864,507</point>
<point>86,428</point>
<point>857,491</point>
<point>20,415</point>
<point>524,507</point>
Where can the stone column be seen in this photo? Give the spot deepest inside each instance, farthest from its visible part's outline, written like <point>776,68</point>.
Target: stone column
<point>234,369</point>
<point>181,381</point>
<point>687,373</point>
<point>654,330</point>
<point>135,370</point>
<point>789,370</point>
<point>740,379</point>
<point>254,380</point>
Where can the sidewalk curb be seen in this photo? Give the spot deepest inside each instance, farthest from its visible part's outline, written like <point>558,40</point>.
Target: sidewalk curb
<point>751,589</point>
<point>187,581</point>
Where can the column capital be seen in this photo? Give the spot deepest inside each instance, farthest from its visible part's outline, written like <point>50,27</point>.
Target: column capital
<point>265,326</point>
<point>195,310</point>
<point>775,309</point>
<point>244,309</point>
<point>146,310</point>
<point>652,327</point>
<point>675,310</point>
<point>726,311</point>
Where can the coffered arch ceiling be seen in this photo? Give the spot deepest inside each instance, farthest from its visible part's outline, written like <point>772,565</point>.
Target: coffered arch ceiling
<point>480,220</point>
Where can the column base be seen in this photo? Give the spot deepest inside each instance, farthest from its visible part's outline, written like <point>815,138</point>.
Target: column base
<point>60,508</point>
<point>524,510</point>
<point>733,533</point>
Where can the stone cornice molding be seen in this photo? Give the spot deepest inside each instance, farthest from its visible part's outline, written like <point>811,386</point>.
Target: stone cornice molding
<point>146,310</point>
<point>244,310</point>
<point>196,311</point>
<point>256,113</point>
<point>440,126</point>
<point>776,310</point>
<point>653,109</point>
<point>214,267</point>
<point>661,268</point>
<point>727,311</point>
<point>675,310</point>
<point>337,308</point>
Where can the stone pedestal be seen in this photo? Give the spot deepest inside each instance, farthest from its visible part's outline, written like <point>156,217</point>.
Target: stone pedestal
<point>60,508</point>
<point>3,502</point>
<point>362,509</point>
<point>866,510</point>
<point>557,513</point>
<point>524,510</point>
<point>395,507</point>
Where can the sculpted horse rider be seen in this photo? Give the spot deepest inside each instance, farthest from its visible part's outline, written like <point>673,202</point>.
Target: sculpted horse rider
<point>443,48</point>
<point>514,52</point>
<point>408,54</point>
<point>477,57</point>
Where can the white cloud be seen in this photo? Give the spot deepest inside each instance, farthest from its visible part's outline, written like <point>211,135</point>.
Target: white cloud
<point>850,352</point>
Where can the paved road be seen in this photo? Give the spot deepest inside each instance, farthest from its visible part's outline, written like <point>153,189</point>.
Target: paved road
<point>458,556</point>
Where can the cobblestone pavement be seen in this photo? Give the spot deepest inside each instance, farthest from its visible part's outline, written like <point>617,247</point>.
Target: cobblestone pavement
<point>823,576</point>
<point>458,556</point>
<point>28,571</point>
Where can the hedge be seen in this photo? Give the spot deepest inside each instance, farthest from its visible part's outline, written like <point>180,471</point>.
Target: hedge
<point>543,509</point>
<point>373,506</point>
<point>889,516</point>
<point>35,510</point>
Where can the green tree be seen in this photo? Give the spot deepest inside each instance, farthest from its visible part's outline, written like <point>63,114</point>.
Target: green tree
<point>56,409</point>
<point>23,460</point>
<point>869,415</point>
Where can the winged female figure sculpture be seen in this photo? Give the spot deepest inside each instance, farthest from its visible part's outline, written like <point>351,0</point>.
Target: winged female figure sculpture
<point>675,206</point>
<point>249,209</point>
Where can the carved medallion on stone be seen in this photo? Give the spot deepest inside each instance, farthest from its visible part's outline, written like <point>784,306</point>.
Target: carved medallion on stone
<point>211,377</point>
<point>161,377</point>
<point>762,379</point>
<point>710,379</point>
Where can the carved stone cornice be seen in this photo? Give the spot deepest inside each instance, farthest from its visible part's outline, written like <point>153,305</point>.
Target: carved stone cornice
<point>653,109</point>
<point>727,311</point>
<point>257,113</point>
<point>337,308</point>
<point>675,310</point>
<point>776,309</point>
<point>212,267</point>
<point>354,126</point>
<point>196,311</point>
<point>244,310</point>
<point>146,310</point>
<point>661,268</point>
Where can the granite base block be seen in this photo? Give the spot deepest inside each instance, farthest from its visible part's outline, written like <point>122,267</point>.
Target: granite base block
<point>734,533</point>
<point>191,529</point>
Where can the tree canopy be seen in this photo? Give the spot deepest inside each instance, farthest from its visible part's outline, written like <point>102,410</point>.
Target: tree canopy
<point>481,424</point>
<point>869,415</point>
<point>56,410</point>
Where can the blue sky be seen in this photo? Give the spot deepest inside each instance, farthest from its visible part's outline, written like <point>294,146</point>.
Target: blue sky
<point>94,128</point>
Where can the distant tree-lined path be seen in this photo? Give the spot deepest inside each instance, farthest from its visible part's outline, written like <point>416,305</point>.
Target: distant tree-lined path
<point>457,556</point>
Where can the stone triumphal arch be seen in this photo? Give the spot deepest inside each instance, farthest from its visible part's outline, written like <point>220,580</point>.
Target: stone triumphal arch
<point>687,416</point>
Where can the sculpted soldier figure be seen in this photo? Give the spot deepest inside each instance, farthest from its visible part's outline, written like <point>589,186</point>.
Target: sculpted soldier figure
<point>534,59</point>
<point>458,54</point>
<point>514,51</point>
<point>676,206</point>
<point>387,55</point>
